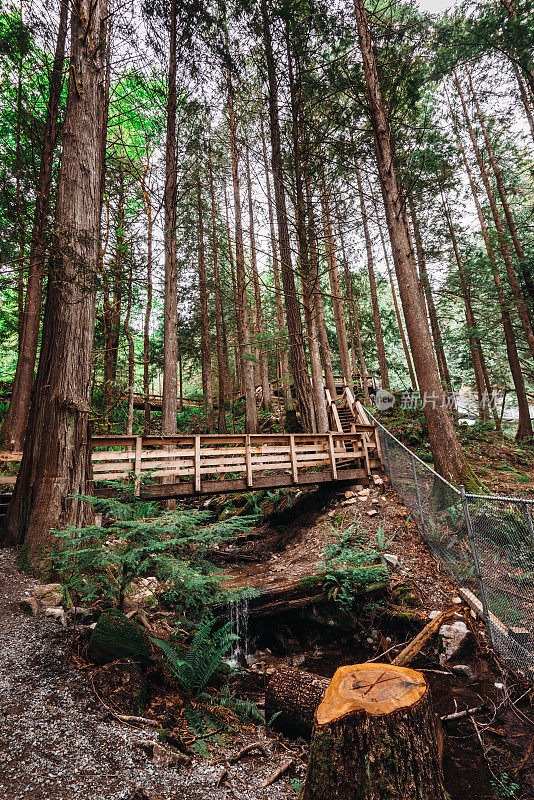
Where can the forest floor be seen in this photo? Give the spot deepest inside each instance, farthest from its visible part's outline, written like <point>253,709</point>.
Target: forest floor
<point>59,742</point>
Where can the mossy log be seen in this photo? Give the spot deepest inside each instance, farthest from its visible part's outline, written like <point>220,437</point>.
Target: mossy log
<point>375,737</point>
<point>293,695</point>
<point>295,594</point>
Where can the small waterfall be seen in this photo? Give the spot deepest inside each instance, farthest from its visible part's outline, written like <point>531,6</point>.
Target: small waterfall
<point>238,616</point>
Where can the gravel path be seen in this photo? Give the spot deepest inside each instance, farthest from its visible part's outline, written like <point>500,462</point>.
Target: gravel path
<point>56,742</point>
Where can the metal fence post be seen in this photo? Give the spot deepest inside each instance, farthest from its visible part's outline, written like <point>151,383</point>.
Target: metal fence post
<point>478,573</point>
<point>528,518</point>
<point>421,516</point>
<point>388,459</point>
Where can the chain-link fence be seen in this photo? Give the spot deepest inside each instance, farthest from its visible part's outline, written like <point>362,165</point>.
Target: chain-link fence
<point>485,543</point>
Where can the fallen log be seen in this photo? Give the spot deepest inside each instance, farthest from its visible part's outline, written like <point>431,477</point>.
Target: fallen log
<point>407,655</point>
<point>375,737</point>
<point>291,698</point>
<point>294,594</point>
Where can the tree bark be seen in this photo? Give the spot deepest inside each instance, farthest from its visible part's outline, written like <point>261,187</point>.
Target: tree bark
<point>207,387</point>
<point>427,288</point>
<point>56,463</point>
<point>525,99</point>
<point>263,360</point>
<point>501,235</point>
<point>354,318</point>
<point>510,221</point>
<point>480,370</point>
<point>382,362</point>
<point>148,309</point>
<point>14,426</point>
<point>131,356</point>
<point>405,346</point>
<point>524,429</point>
<point>317,296</point>
<point>447,455</point>
<point>280,315</point>
<point>224,388</point>
<point>319,399</point>
<point>337,300</point>
<point>294,696</point>
<point>375,737</point>
<point>243,330</point>
<point>170,302</point>
<point>301,378</point>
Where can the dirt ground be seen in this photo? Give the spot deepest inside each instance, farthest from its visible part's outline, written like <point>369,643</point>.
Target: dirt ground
<point>58,742</point>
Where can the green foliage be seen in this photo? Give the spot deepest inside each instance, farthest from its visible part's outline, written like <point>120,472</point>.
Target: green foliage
<point>98,564</point>
<point>195,667</point>
<point>349,570</point>
<point>505,786</point>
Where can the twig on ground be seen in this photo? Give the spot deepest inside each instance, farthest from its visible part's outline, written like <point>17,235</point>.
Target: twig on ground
<point>247,749</point>
<point>460,714</point>
<point>277,773</point>
<point>407,655</point>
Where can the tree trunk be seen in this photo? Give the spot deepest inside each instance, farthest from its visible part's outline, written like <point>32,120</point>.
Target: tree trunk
<point>280,315</point>
<point>207,387</point>
<point>524,429</point>
<point>512,227</point>
<point>224,388</point>
<point>375,737</point>
<point>337,300</point>
<point>405,346</point>
<point>447,455</point>
<point>169,406</point>
<point>501,235</point>
<point>294,696</point>
<point>131,357</point>
<point>482,380</point>
<point>243,331</point>
<point>56,464</point>
<point>317,296</point>
<point>382,362</point>
<point>263,359</point>
<point>14,426</point>
<point>354,319</point>
<point>297,354</point>
<point>148,309</point>
<point>427,288</point>
<point>525,99</point>
<point>307,278</point>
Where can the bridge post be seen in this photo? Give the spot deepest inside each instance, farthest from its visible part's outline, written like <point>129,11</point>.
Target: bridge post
<point>137,465</point>
<point>293,457</point>
<point>332,457</point>
<point>248,460</point>
<point>197,465</point>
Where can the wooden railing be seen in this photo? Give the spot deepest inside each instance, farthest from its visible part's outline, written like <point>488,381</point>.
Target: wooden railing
<point>170,466</point>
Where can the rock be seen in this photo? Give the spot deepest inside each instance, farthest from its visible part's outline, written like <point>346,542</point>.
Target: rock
<point>29,606</point>
<point>57,613</point>
<point>116,637</point>
<point>82,615</point>
<point>349,494</point>
<point>165,757</point>
<point>457,601</point>
<point>49,595</point>
<point>372,512</point>
<point>48,588</point>
<point>453,637</point>
<point>463,669</point>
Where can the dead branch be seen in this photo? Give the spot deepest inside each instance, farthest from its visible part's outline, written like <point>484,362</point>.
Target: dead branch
<point>247,749</point>
<point>460,714</point>
<point>407,655</point>
<point>276,774</point>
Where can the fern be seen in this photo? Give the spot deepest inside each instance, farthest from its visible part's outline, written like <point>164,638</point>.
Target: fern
<point>197,666</point>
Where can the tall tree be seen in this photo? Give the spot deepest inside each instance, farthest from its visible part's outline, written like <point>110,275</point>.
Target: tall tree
<point>56,464</point>
<point>299,369</point>
<point>446,451</point>
<point>14,426</point>
<point>170,301</point>
<point>205,350</point>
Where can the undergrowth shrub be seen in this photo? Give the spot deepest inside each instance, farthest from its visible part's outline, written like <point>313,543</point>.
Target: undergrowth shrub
<point>97,565</point>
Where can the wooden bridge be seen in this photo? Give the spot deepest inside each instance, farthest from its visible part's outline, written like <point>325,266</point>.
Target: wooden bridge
<point>174,466</point>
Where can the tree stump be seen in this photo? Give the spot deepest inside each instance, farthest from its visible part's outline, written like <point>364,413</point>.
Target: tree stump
<point>293,696</point>
<point>375,738</point>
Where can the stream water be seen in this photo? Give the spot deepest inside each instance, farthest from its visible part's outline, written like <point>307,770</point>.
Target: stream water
<point>238,615</point>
